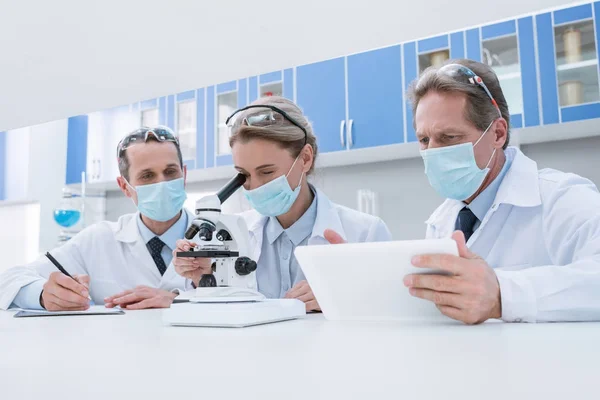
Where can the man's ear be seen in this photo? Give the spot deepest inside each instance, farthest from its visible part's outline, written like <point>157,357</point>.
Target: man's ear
<point>124,186</point>
<point>500,133</point>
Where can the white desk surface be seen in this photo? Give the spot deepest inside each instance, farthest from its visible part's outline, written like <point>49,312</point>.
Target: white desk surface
<point>134,356</point>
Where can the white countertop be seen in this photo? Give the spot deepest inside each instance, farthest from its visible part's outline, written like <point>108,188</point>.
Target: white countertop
<point>134,356</point>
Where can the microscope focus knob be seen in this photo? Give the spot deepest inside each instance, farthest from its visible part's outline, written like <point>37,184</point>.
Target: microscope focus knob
<point>207,280</point>
<point>244,266</point>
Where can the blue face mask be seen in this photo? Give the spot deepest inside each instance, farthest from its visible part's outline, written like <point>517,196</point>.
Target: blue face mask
<point>274,198</point>
<point>452,170</point>
<point>161,201</point>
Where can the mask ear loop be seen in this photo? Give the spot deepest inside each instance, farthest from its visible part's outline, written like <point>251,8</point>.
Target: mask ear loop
<point>494,152</point>
<point>292,167</point>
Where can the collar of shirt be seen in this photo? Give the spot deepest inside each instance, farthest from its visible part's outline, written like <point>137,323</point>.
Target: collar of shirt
<point>170,237</point>
<point>299,231</point>
<point>482,203</point>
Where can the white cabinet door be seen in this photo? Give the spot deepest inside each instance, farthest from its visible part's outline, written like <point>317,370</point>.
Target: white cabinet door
<point>98,126</point>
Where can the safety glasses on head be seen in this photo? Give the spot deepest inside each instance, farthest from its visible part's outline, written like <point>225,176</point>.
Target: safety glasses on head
<point>160,133</point>
<point>463,74</point>
<point>265,116</point>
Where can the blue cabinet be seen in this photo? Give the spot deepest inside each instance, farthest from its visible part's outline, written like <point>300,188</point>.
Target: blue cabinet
<point>411,71</point>
<point>321,93</point>
<point>547,64</point>
<point>228,97</point>
<point>419,55</point>
<point>375,98</point>
<point>237,94</point>
<point>200,129</point>
<point>568,61</point>
<point>277,83</point>
<point>509,48</point>
<point>182,116</point>
<point>3,165</point>
<point>76,148</point>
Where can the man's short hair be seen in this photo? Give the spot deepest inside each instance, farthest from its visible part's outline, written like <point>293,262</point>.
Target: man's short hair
<point>480,111</point>
<point>122,158</point>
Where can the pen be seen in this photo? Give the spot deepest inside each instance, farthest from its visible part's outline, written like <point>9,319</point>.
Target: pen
<point>60,268</point>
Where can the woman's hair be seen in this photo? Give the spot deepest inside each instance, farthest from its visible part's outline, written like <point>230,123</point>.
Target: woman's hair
<point>287,135</point>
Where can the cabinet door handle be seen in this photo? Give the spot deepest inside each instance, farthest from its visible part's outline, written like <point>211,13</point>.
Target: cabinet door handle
<point>349,133</point>
<point>99,169</point>
<point>342,136</point>
<point>93,172</point>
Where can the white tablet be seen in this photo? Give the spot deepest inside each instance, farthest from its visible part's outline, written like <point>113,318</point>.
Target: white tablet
<point>364,281</point>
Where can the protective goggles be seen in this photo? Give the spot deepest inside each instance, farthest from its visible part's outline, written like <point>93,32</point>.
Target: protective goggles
<point>160,133</point>
<point>265,116</point>
<point>463,74</point>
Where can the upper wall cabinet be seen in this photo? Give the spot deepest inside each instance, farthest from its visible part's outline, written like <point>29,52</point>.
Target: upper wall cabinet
<point>77,138</point>
<point>355,101</point>
<point>225,98</point>
<point>321,93</point>
<point>546,63</point>
<point>375,99</point>
<point>568,60</point>
<point>509,48</point>
<point>420,55</point>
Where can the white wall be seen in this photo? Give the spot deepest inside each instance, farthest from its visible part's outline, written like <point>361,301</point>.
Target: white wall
<point>66,57</point>
<point>36,169</point>
<point>47,170</point>
<point>17,157</point>
<point>19,242</point>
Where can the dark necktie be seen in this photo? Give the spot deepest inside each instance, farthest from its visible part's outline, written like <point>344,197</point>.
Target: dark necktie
<point>155,246</point>
<point>465,222</point>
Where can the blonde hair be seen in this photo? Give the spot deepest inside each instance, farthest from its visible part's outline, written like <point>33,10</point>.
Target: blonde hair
<point>287,135</point>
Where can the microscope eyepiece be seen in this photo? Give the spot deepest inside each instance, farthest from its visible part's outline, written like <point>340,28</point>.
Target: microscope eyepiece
<point>234,184</point>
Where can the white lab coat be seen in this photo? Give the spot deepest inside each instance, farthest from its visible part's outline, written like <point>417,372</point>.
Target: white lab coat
<point>353,226</point>
<point>113,254</point>
<point>542,237</point>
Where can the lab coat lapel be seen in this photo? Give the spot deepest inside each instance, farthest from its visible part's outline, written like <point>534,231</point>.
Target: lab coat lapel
<point>443,219</point>
<point>139,262</point>
<point>174,280</point>
<point>327,218</point>
<point>256,224</point>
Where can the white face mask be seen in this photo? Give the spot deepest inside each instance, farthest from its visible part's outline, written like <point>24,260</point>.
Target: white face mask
<point>161,201</point>
<point>274,198</point>
<point>453,172</point>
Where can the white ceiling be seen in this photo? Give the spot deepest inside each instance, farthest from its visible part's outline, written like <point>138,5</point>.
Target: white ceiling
<point>65,57</point>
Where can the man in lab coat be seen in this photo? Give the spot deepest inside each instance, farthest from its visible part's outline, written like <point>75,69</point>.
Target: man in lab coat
<point>528,239</point>
<point>119,263</point>
<point>532,250</point>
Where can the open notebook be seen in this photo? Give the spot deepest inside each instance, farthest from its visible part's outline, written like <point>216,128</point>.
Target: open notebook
<point>219,295</point>
<point>93,310</point>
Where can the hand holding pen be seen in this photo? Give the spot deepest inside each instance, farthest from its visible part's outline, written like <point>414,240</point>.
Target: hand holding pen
<point>63,292</point>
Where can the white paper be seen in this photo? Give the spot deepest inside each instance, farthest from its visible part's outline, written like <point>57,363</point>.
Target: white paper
<point>91,310</point>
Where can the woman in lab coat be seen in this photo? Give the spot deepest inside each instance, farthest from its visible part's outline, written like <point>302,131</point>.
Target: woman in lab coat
<point>274,146</point>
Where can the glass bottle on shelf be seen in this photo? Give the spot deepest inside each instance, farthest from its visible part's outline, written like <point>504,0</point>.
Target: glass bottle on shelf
<point>435,59</point>
<point>577,62</point>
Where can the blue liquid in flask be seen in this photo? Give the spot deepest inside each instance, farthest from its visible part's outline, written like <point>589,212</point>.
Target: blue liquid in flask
<point>66,218</point>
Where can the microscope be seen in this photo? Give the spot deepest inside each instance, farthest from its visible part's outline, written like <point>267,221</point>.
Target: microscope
<point>223,238</point>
